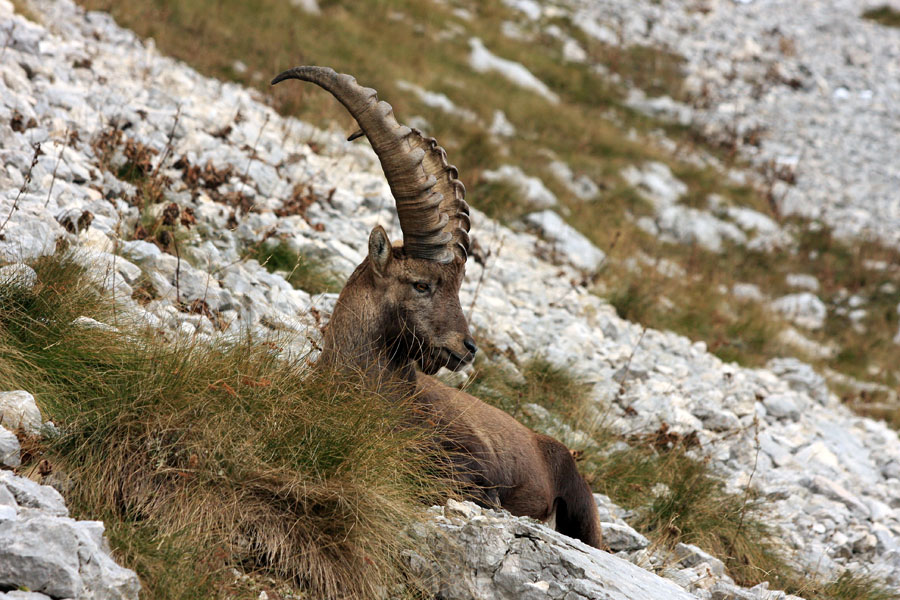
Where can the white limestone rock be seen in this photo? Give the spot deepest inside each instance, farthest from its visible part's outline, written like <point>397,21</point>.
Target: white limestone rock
<point>800,377</point>
<point>308,6</point>
<point>9,449</point>
<point>802,281</point>
<point>534,192</point>
<point>752,221</point>
<point>501,126</point>
<point>569,243</point>
<point>686,225</point>
<point>484,554</point>
<point>438,101</point>
<point>747,292</point>
<point>656,183</point>
<point>782,406</point>
<point>62,558</point>
<point>20,595</point>
<point>663,107</point>
<point>622,538</point>
<point>18,409</point>
<point>804,309</point>
<point>581,186</point>
<point>483,60</point>
<point>30,494</point>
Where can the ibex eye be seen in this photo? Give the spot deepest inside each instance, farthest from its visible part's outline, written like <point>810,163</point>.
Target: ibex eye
<point>422,287</point>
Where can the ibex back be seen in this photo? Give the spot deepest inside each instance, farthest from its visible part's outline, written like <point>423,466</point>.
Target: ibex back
<point>399,320</point>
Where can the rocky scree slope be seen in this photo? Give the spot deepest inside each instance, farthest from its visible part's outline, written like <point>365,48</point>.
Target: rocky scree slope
<point>101,103</point>
<point>807,90</point>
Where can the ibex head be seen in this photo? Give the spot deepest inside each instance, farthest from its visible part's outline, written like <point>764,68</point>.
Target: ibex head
<point>416,285</point>
<point>420,298</point>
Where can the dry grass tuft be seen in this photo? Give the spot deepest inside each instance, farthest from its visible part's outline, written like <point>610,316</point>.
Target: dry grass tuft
<point>884,15</point>
<point>206,458</point>
<point>23,8</point>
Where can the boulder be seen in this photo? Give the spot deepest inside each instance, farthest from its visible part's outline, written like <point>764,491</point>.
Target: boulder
<point>18,409</point>
<point>46,552</point>
<point>804,309</point>
<point>574,247</point>
<point>622,538</point>
<point>9,448</point>
<point>486,554</point>
<point>533,191</point>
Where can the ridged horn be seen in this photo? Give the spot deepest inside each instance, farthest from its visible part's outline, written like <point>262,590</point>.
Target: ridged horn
<point>430,198</point>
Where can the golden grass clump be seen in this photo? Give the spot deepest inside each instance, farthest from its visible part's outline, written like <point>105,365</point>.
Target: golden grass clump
<point>203,458</point>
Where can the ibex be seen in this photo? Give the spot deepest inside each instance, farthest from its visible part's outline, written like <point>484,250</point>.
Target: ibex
<point>399,319</point>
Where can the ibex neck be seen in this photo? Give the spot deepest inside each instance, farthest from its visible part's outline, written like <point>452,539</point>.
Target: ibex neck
<point>360,333</point>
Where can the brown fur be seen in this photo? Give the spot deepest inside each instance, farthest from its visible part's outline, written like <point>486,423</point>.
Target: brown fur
<point>384,326</point>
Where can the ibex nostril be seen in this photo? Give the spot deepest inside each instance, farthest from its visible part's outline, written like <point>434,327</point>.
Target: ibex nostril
<point>470,345</point>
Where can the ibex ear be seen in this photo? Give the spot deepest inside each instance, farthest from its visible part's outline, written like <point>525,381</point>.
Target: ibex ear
<point>379,250</point>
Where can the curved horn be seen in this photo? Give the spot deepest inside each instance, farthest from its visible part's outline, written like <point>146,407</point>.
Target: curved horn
<point>430,199</point>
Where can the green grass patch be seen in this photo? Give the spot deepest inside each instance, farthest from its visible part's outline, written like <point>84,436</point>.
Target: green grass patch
<point>541,383</point>
<point>300,271</point>
<point>677,499</point>
<point>205,458</point>
<point>883,15</point>
<point>699,303</point>
<point>740,331</point>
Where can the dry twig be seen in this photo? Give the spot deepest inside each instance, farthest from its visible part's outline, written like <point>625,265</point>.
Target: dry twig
<point>628,364</point>
<point>747,488</point>
<point>56,166</point>
<point>169,147</point>
<point>15,204</point>
<point>483,273</point>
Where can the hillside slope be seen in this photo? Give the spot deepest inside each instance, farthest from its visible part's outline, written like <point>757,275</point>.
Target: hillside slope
<point>125,132</point>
